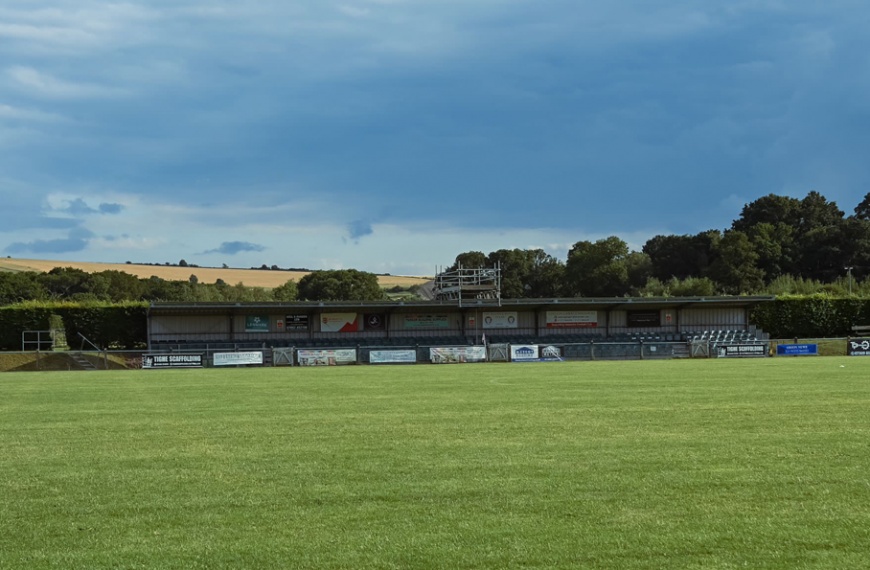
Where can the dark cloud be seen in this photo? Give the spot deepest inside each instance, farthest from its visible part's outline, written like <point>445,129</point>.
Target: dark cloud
<point>79,207</point>
<point>358,229</point>
<point>107,208</point>
<point>234,247</point>
<point>76,241</point>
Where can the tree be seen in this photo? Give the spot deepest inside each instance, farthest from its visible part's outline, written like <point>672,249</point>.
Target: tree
<point>469,260</point>
<point>770,209</point>
<point>21,286</point>
<point>340,285</point>
<point>289,291</point>
<point>527,273</point>
<point>862,210</point>
<point>736,267</point>
<point>681,256</point>
<point>598,269</point>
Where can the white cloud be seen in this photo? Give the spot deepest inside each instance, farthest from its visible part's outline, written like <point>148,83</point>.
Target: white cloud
<point>45,85</point>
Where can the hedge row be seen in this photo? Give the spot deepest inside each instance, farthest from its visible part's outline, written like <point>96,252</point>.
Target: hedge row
<point>115,326</point>
<point>817,316</point>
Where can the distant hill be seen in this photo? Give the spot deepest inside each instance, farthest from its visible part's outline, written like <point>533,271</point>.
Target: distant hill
<point>266,278</point>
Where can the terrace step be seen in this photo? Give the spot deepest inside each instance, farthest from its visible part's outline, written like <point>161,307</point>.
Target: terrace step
<point>82,362</point>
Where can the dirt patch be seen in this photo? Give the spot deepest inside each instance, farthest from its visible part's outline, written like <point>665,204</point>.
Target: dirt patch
<point>46,361</point>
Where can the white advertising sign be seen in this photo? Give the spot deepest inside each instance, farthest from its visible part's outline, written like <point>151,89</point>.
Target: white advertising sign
<point>500,320</point>
<point>572,319</point>
<point>326,357</point>
<point>449,355</point>
<point>393,356</point>
<point>237,358</point>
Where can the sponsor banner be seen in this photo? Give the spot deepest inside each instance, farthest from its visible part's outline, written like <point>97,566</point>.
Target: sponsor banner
<point>500,320</point>
<point>256,323</point>
<point>858,347</point>
<point>296,322</point>
<point>339,322</point>
<point>551,352</point>
<point>440,355</point>
<point>742,350</point>
<point>375,321</point>
<point>426,321</point>
<point>172,361</point>
<point>572,319</point>
<point>524,352</point>
<point>237,358</point>
<point>797,349</point>
<point>326,357</point>
<point>393,356</point>
<point>643,318</point>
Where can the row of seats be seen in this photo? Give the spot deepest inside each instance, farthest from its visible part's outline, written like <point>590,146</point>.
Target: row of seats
<point>717,337</point>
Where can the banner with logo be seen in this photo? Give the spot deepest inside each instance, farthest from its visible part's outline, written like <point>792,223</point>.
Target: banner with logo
<point>500,320</point>
<point>797,349</point>
<point>256,323</point>
<point>393,356</point>
<point>572,319</point>
<point>858,347</point>
<point>334,357</point>
<point>237,358</point>
<point>426,321</point>
<point>374,321</point>
<point>742,350</point>
<point>524,352</point>
<point>172,361</point>
<point>450,355</point>
<point>339,322</point>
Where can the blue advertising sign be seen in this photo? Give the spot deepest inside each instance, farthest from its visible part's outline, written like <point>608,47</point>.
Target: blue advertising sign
<point>797,349</point>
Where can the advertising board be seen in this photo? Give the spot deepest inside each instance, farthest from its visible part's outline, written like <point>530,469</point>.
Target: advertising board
<point>858,347</point>
<point>797,349</point>
<point>339,322</point>
<point>296,322</point>
<point>237,358</point>
<point>742,351</point>
<point>524,352</point>
<point>572,319</point>
<point>500,320</point>
<point>418,321</point>
<point>256,323</point>
<point>393,356</point>
<point>172,361</point>
<point>335,357</point>
<point>450,355</point>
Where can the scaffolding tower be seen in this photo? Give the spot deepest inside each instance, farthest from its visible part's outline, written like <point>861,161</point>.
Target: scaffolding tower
<point>466,284</point>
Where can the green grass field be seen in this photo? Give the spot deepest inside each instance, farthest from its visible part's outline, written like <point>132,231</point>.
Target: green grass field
<point>664,464</point>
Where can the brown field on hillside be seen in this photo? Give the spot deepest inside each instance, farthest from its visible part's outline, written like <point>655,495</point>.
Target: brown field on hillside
<point>249,277</point>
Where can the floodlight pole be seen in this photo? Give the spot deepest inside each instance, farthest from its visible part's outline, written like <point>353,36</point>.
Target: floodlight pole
<point>849,273</point>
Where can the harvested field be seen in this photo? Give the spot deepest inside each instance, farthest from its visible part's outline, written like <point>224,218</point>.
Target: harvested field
<point>250,277</point>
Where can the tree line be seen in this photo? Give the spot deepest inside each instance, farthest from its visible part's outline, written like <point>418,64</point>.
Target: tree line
<point>777,245</point>
<point>71,284</point>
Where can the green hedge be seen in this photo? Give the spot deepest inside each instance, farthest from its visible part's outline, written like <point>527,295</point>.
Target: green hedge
<point>114,326</point>
<point>816,316</point>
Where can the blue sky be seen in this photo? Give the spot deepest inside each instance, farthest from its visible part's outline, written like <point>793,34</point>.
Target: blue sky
<point>391,135</point>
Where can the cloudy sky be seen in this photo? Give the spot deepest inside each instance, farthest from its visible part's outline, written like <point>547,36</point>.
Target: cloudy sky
<point>391,135</point>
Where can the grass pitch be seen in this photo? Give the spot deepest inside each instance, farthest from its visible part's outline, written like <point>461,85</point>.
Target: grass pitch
<point>671,464</point>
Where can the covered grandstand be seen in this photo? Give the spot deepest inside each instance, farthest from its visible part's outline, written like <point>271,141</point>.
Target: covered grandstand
<point>581,328</point>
